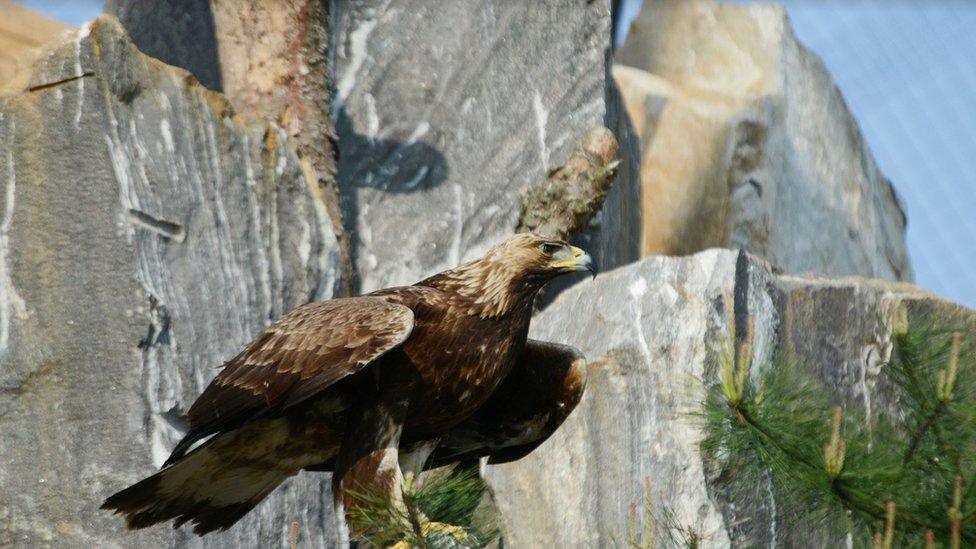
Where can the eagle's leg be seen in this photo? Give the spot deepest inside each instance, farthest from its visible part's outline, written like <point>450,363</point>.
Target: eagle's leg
<point>367,464</point>
<point>368,467</point>
<point>412,461</point>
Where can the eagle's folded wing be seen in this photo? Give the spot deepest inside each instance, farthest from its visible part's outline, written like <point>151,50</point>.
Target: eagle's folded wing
<point>304,352</point>
<point>543,388</point>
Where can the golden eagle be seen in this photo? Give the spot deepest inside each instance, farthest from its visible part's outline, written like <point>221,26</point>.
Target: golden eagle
<point>395,380</point>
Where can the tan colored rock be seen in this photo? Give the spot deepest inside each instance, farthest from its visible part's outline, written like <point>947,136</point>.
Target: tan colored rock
<point>746,142</point>
<point>22,30</point>
<point>686,204</point>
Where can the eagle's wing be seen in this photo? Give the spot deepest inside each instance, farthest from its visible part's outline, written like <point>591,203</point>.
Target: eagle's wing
<point>543,388</point>
<point>304,352</point>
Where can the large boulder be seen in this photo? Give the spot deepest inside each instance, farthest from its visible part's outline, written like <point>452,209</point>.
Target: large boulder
<point>652,332</point>
<point>746,142</point>
<point>146,233</point>
<point>447,111</point>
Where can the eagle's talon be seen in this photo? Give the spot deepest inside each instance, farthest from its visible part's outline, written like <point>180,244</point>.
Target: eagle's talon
<point>456,532</point>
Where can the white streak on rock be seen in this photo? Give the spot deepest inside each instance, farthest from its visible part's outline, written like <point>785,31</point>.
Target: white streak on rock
<point>772,512</point>
<point>415,180</point>
<point>541,121</point>
<point>120,165</point>
<point>142,154</point>
<point>58,94</point>
<point>157,364</point>
<point>304,246</point>
<point>82,34</point>
<point>167,134</point>
<point>874,357</point>
<point>637,290</point>
<point>282,162</point>
<point>274,234</point>
<point>865,390</point>
<point>229,262</point>
<point>372,118</point>
<point>365,233</point>
<point>418,132</point>
<point>455,253</point>
<point>10,301</point>
<point>260,245</point>
<point>357,56</point>
<point>326,285</point>
<point>157,444</point>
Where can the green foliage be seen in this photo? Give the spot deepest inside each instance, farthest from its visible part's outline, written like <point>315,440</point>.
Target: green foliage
<point>903,479</point>
<point>441,512</point>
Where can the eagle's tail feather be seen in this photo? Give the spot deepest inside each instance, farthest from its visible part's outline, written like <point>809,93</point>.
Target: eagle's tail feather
<point>199,488</point>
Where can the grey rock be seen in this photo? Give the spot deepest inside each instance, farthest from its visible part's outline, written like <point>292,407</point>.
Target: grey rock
<point>651,332</point>
<point>269,58</point>
<point>446,111</point>
<point>146,233</point>
<point>746,142</point>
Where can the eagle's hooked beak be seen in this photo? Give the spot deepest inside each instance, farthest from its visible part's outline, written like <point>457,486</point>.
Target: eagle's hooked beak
<point>572,259</point>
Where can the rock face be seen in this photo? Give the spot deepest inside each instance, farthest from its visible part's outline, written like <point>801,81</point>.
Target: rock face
<point>447,111</point>
<point>146,233</point>
<point>747,143</point>
<point>649,332</point>
<point>269,58</point>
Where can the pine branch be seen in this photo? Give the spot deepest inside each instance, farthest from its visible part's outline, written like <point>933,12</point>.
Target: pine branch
<point>944,394</point>
<point>772,438</point>
<point>836,484</point>
<point>413,515</point>
<point>775,430</point>
<point>922,431</point>
<point>442,506</point>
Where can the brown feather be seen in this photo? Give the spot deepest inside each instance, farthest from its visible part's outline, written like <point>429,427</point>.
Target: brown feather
<point>304,352</point>
<point>544,387</point>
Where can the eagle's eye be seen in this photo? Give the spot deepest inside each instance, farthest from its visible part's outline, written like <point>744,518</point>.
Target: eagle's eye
<point>550,248</point>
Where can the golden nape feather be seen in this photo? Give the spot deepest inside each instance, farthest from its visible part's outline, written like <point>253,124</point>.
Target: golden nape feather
<point>340,385</point>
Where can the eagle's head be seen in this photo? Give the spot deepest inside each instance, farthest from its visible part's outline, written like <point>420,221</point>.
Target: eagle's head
<point>513,272</point>
<point>537,258</point>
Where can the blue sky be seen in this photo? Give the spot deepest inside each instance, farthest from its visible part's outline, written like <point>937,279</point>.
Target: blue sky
<point>73,12</point>
<point>908,71</point>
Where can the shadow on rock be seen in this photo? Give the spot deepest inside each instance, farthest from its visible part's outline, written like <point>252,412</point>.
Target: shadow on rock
<point>177,32</point>
<point>385,165</point>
